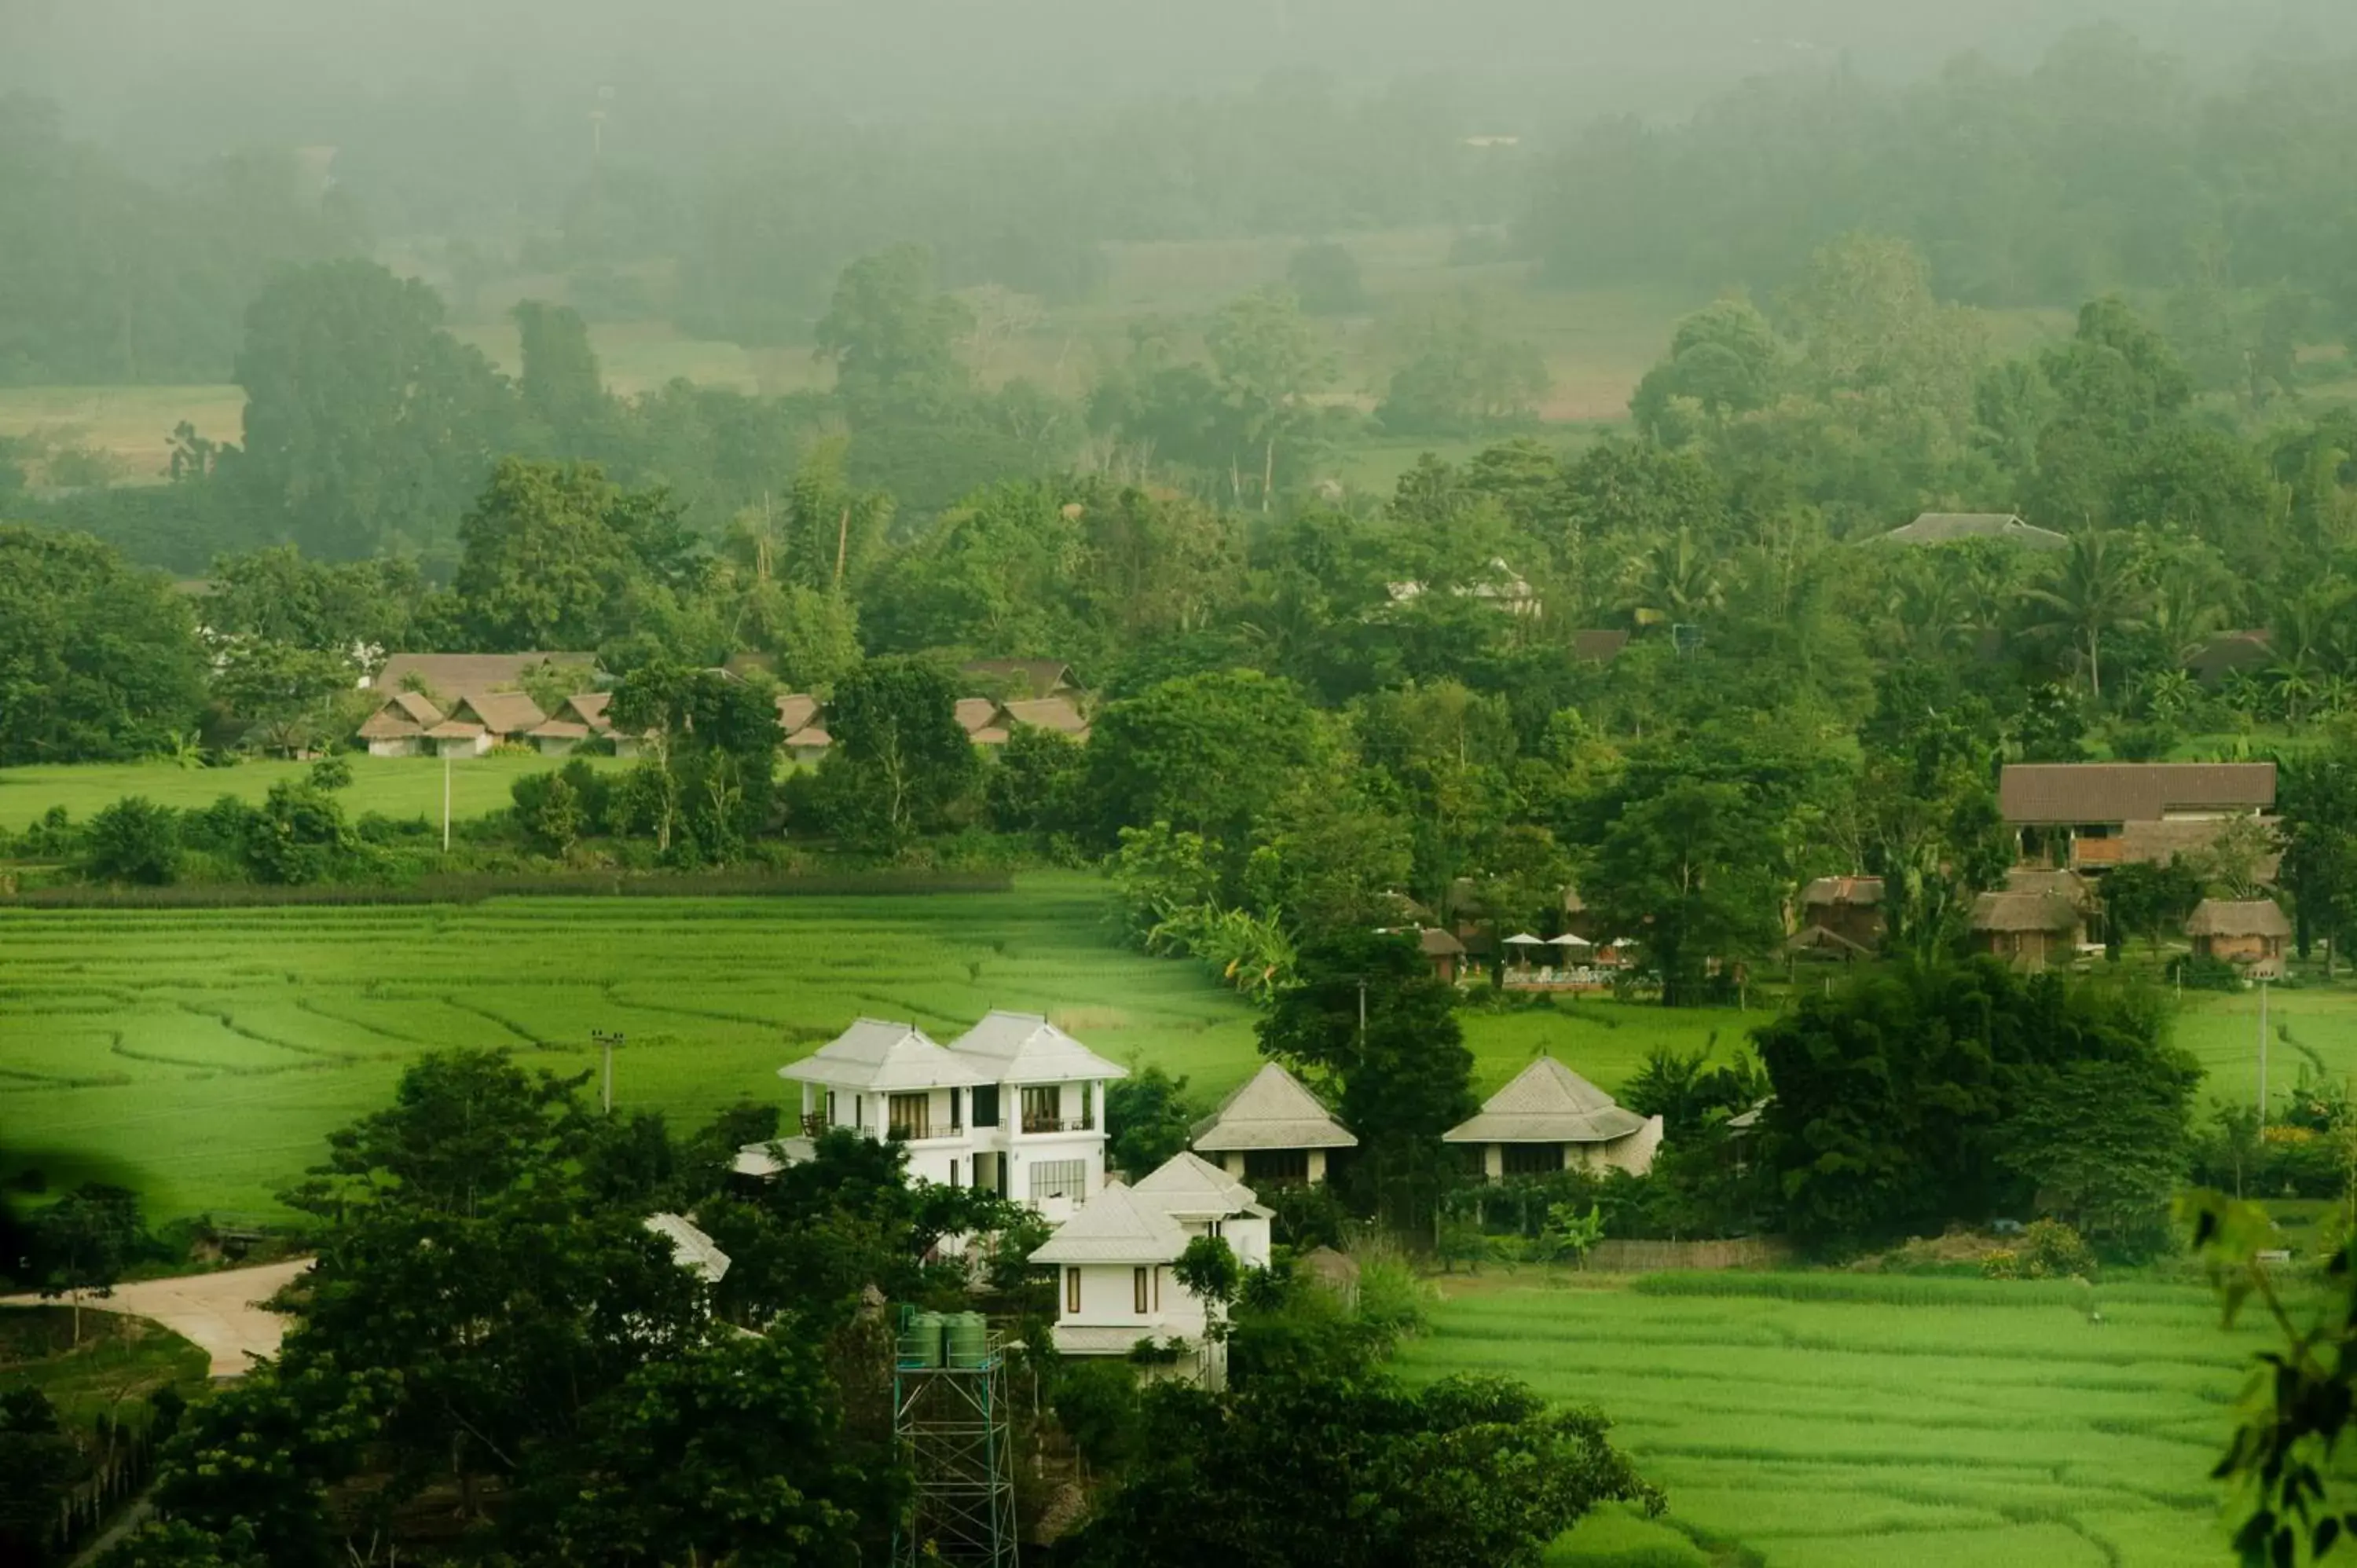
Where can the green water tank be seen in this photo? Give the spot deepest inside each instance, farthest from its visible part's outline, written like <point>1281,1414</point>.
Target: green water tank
<point>968,1340</point>
<point>920,1341</point>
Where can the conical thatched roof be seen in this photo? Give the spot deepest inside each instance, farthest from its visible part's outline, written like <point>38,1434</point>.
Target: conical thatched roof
<point>2237,918</point>
<point>1548,1104</point>
<point>1271,1110</point>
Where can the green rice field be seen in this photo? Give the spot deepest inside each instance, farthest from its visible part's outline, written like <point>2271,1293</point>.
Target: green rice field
<point>394,786</point>
<point>1846,1421</point>
<point>200,1056</point>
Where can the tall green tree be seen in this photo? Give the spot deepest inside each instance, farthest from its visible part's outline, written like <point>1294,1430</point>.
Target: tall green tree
<point>367,424</point>
<point>1207,754</point>
<point>98,661</point>
<point>560,387</point>
<point>890,332</point>
<point>1268,360</point>
<point>738,1453</point>
<point>2105,1145</point>
<point>1148,1119</point>
<point>2318,798</point>
<point>1326,278</point>
<point>1686,873</point>
<point>1910,1098</point>
<point>2096,590</point>
<point>84,1241</point>
<point>2145,898</point>
<point>712,756</point>
<point>465,1128</point>
<point>1929,824</point>
<point>1369,1015</point>
<point>899,744</point>
<point>559,558</point>
<point>1357,1472</point>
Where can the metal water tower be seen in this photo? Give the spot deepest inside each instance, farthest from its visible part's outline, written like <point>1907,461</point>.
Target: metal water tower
<point>951,1416</point>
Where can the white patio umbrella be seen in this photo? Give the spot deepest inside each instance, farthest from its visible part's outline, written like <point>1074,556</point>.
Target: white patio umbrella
<point>1525,941</point>
<point>1568,940</point>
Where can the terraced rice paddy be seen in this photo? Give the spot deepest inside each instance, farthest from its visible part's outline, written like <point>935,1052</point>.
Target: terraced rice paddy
<point>199,1056</point>
<point>1842,1422</point>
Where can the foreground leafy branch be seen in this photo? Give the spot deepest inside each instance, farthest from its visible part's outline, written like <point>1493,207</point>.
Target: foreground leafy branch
<point>2291,1492</point>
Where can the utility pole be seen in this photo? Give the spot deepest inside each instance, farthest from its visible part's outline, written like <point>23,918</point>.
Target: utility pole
<point>607,1039</point>
<point>1362,1012</point>
<point>446,802</point>
<point>2263,1055</point>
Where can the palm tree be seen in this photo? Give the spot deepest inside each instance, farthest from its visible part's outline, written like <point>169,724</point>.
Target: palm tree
<point>2189,593</point>
<point>2169,694</point>
<point>2309,628</point>
<point>2096,591</point>
<point>2292,683</point>
<point>1931,607</point>
<point>1673,583</point>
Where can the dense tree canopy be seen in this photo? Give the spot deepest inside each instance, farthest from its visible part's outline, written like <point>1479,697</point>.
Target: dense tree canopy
<point>367,426</point>
<point>98,658</point>
<point>489,1310</point>
<point>1942,1091</point>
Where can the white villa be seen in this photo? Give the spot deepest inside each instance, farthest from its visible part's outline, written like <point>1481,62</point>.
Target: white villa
<point>691,1248</point>
<point>1015,1105</point>
<point>1271,1130</point>
<point>1550,1118</point>
<point>1114,1259</point>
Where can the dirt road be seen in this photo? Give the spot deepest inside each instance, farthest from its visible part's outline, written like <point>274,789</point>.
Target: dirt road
<point>219,1312</point>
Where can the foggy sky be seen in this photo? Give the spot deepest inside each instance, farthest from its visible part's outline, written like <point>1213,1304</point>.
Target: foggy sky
<point>194,73</point>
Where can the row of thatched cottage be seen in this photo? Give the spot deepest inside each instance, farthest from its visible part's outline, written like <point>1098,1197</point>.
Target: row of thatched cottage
<point>466,704</point>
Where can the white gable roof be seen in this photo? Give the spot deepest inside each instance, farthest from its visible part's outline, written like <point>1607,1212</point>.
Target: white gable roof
<point>1548,1103</point>
<point>1271,1110</point>
<point>693,1250</point>
<point>1117,1226</point>
<point>883,1058</point>
<point>1024,1047</point>
<point>1185,1186</point>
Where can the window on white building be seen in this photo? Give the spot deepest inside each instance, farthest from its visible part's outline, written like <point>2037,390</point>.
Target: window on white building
<point>911,1115</point>
<point>1043,1107</point>
<point>1137,1290</point>
<point>1072,1290</point>
<point>1059,1178</point>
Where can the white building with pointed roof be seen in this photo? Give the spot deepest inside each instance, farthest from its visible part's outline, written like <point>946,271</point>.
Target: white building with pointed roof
<point>1271,1129</point>
<point>691,1248</point>
<point>1550,1118</point>
<point>1114,1285</point>
<point>1196,1193</point>
<point>1015,1104</point>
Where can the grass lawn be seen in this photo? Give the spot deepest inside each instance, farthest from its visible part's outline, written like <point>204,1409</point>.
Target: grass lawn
<point>396,786</point>
<point>199,1056</point>
<point>1946,1421</point>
